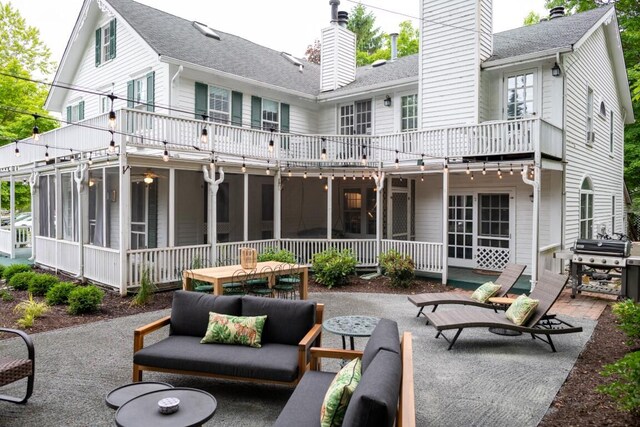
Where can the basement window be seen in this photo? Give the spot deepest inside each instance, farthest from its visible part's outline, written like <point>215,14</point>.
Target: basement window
<point>206,30</point>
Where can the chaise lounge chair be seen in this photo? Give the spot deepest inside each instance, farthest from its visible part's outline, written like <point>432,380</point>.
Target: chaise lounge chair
<point>539,324</point>
<point>507,280</point>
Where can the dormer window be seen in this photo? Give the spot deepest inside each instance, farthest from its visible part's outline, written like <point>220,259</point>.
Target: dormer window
<point>106,42</point>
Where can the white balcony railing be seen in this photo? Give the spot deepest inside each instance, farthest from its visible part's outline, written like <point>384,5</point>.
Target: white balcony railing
<point>149,130</point>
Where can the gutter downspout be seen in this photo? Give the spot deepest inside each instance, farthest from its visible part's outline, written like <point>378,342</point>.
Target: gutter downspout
<point>173,79</point>
<point>78,177</point>
<point>209,177</point>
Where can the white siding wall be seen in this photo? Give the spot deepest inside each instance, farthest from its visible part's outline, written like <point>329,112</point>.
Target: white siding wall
<point>134,59</point>
<point>384,116</point>
<point>551,96</point>
<point>590,67</point>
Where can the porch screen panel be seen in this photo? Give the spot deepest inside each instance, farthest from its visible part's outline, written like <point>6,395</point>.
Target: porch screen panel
<point>112,212</point>
<point>47,210</point>
<point>400,223</point>
<point>260,202</point>
<point>460,232</point>
<point>69,208</point>
<point>96,207</point>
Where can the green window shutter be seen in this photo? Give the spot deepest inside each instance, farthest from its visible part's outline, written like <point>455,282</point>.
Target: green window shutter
<point>256,112</point>
<point>130,94</point>
<point>98,40</point>
<point>151,92</point>
<point>81,110</point>
<point>69,114</point>
<point>112,39</point>
<point>284,118</point>
<point>236,109</point>
<point>202,93</point>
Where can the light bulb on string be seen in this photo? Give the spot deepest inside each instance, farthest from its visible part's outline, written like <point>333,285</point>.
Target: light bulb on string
<point>484,169</point>
<point>289,173</point>
<point>333,176</point>
<point>36,130</point>
<point>305,173</point>
<point>397,162</point>
<point>344,176</point>
<point>422,178</point>
<point>268,171</point>
<point>320,175</point>
<point>73,158</point>
<point>204,135</point>
<point>244,166</point>
<point>165,155</point>
<point>323,154</point>
<point>271,143</point>
<point>422,163</point>
<point>468,170</point>
<point>499,172</point>
<point>510,169</point>
<point>46,154</point>
<point>90,160</point>
<point>112,144</point>
<point>112,114</point>
<point>471,176</point>
<point>521,169</point>
<point>363,175</point>
<point>17,150</point>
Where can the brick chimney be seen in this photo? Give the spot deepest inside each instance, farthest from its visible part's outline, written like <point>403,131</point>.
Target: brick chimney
<point>337,51</point>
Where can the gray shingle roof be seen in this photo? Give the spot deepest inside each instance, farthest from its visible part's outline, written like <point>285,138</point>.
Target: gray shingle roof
<point>367,76</point>
<point>547,35</point>
<point>177,38</point>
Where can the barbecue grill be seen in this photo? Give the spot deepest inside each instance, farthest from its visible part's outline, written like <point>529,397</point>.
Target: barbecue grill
<point>609,259</point>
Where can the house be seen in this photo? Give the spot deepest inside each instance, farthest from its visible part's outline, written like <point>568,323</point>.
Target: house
<point>482,149</point>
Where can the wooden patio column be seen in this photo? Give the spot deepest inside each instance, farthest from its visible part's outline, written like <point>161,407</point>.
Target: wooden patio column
<point>35,218</point>
<point>445,223</point>
<point>12,215</point>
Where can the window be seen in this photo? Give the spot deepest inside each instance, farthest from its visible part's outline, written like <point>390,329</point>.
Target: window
<point>75,112</point>
<point>270,118</point>
<point>613,214</point>
<point>106,43</point>
<point>409,107</point>
<point>219,105</point>
<point>520,96</point>
<point>611,131</point>
<point>47,206</point>
<point>586,209</point>
<point>105,105</point>
<point>140,91</point>
<point>590,134</point>
<point>355,119</point>
<point>359,211</point>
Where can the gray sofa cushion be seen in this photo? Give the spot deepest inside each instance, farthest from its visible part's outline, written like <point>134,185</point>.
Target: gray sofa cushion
<point>190,311</point>
<point>375,400</point>
<point>303,407</point>
<point>384,336</point>
<point>287,321</point>
<point>275,362</point>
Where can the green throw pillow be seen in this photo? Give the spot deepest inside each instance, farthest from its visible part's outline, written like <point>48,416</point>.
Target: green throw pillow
<point>339,394</point>
<point>522,308</point>
<point>226,329</point>
<point>486,291</point>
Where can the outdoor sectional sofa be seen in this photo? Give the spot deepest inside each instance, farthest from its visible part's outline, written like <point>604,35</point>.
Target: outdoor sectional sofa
<point>291,328</point>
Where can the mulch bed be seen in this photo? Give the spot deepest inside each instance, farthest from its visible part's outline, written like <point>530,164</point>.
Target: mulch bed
<point>576,404</point>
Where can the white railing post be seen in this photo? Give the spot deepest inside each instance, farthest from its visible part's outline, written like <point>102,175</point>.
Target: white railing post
<point>78,177</point>
<point>379,181</point>
<point>245,207</point>
<point>277,205</point>
<point>329,208</point>
<point>124,212</point>
<point>12,215</point>
<point>172,207</point>
<point>445,221</point>
<point>35,220</point>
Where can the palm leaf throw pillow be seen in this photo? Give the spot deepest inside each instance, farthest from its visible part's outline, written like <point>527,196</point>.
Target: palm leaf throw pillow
<point>521,309</point>
<point>339,394</point>
<point>486,291</point>
<point>227,329</point>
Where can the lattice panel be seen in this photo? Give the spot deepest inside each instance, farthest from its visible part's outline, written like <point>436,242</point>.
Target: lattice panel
<point>492,258</point>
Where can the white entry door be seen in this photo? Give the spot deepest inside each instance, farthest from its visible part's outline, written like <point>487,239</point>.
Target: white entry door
<point>461,229</point>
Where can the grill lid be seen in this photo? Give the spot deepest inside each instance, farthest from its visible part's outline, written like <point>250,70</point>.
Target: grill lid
<point>603,247</point>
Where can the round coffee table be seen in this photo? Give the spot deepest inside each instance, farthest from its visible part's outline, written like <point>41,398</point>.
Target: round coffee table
<point>351,326</point>
<point>119,396</point>
<point>196,407</point>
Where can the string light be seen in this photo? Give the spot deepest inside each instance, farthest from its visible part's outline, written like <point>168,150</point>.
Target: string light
<point>46,154</point>
<point>112,114</point>
<point>112,144</point>
<point>320,175</point>
<point>90,160</point>
<point>165,155</point>
<point>354,176</point>
<point>271,143</point>
<point>446,166</point>
<point>17,150</point>
<point>204,135</point>
<point>397,160</point>
<point>244,166</point>
<point>344,176</point>
<point>521,169</point>
<point>323,155</point>
<point>305,173</point>
<point>499,172</point>
<point>212,162</point>
<point>510,169</point>
<point>471,176</point>
<point>268,171</point>
<point>422,178</point>
<point>73,158</point>
<point>333,176</point>
<point>484,169</point>
<point>289,173</point>
<point>36,130</point>
<point>363,175</point>
<point>468,171</point>
<point>422,163</point>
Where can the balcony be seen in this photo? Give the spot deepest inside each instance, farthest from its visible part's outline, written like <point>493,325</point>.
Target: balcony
<point>145,133</point>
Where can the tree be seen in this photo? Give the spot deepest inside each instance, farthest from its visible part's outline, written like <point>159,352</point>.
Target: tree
<point>313,52</point>
<point>408,44</point>
<point>362,23</point>
<point>531,18</point>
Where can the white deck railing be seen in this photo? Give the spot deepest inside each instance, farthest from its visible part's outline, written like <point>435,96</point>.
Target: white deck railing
<point>59,254</point>
<point>5,241</point>
<point>23,236</point>
<point>150,130</point>
<point>165,265</point>
<point>102,265</point>
<point>363,249</point>
<point>426,256</point>
<point>229,253</point>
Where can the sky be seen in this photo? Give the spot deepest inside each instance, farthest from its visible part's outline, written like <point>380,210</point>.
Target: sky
<point>284,25</point>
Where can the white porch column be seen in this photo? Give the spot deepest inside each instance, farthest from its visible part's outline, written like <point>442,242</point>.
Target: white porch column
<point>12,215</point>
<point>445,223</point>
<point>125,216</point>
<point>389,208</point>
<point>277,206</point>
<point>172,207</point>
<point>535,219</point>
<point>245,207</point>
<point>78,177</point>
<point>35,220</point>
<point>329,207</point>
<point>58,222</point>
<point>379,180</point>
<point>210,178</point>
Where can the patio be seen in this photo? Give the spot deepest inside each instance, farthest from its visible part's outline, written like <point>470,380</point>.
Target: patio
<point>485,380</point>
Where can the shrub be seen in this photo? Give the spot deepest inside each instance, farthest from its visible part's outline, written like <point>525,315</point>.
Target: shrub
<point>282,255</point>
<point>398,267</point>
<point>59,293</point>
<point>12,269</point>
<point>145,292</point>
<point>30,309</point>
<point>6,295</point>
<point>628,314</point>
<point>1,270</point>
<point>20,281</point>
<point>625,389</point>
<point>333,267</point>
<point>41,283</point>
<point>85,299</point>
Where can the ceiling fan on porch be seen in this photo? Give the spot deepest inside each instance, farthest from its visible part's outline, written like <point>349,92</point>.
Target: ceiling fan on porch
<point>147,177</point>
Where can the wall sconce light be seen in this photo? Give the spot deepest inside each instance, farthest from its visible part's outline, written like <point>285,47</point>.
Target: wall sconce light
<point>531,197</point>
<point>555,70</point>
<point>387,101</point>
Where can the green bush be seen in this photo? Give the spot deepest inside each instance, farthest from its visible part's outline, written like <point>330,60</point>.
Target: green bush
<point>399,268</point>
<point>6,296</point>
<point>333,267</point>
<point>41,283</point>
<point>12,269</point>
<point>1,270</point>
<point>85,299</point>
<point>282,255</point>
<point>145,292</point>
<point>625,389</point>
<point>628,314</point>
<point>20,281</point>
<point>59,293</point>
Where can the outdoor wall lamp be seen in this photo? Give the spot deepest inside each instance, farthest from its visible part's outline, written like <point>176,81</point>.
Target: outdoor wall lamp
<point>555,70</point>
<point>387,101</point>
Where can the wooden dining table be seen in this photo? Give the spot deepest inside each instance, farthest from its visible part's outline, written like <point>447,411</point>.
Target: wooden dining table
<point>217,276</point>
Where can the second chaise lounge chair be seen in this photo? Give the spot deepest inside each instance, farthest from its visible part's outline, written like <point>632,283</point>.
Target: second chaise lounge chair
<point>506,280</point>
